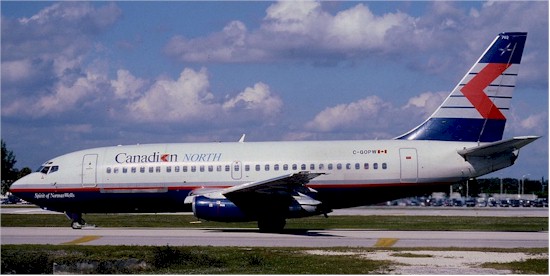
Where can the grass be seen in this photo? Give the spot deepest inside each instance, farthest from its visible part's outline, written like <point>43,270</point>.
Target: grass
<point>79,259</point>
<point>530,266</point>
<point>177,260</point>
<point>416,223</point>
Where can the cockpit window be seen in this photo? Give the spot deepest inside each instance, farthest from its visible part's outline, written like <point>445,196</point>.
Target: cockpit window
<point>48,169</point>
<point>44,169</point>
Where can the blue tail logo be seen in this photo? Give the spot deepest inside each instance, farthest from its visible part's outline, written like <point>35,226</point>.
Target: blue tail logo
<point>476,109</point>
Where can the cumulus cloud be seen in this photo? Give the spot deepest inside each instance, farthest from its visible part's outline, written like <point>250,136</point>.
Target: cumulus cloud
<point>188,99</point>
<point>294,29</point>
<point>372,117</point>
<point>353,115</point>
<point>127,86</point>
<point>257,98</point>
<point>44,56</point>
<point>184,99</point>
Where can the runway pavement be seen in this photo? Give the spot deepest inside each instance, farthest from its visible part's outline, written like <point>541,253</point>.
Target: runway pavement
<point>291,238</point>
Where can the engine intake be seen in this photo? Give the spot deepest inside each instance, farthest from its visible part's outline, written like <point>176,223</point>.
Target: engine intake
<point>217,209</point>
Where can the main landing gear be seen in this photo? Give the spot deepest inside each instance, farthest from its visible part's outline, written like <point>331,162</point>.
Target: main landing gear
<point>77,222</point>
<point>274,224</point>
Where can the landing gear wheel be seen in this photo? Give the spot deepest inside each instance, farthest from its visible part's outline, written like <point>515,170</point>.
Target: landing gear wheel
<point>76,225</point>
<point>271,224</point>
<point>77,222</point>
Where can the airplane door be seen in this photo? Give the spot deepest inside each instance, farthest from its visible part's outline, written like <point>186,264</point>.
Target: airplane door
<point>409,165</point>
<point>236,170</point>
<point>89,170</point>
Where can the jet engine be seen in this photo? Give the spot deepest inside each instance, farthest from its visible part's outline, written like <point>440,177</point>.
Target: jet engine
<point>217,209</point>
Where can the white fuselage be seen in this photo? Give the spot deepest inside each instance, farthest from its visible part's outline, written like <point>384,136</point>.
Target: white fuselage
<point>157,172</point>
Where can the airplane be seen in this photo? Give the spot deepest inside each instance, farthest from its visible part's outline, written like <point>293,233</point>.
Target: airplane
<point>270,182</point>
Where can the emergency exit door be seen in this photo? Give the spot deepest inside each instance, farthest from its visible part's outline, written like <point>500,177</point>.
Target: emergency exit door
<point>89,170</point>
<point>409,165</point>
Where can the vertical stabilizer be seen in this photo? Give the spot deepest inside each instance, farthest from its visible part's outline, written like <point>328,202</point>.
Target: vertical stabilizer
<point>477,108</point>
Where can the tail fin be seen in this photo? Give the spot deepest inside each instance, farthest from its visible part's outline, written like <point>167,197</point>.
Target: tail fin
<point>476,109</point>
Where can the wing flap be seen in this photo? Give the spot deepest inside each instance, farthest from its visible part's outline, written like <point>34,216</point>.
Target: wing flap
<point>281,182</point>
<point>490,149</point>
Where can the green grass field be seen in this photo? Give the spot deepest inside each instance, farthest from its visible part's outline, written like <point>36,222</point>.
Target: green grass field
<point>426,223</point>
<point>79,259</point>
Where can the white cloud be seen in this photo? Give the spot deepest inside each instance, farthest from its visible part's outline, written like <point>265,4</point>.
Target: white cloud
<point>300,29</point>
<point>187,98</point>
<point>353,115</point>
<point>257,98</point>
<point>127,86</point>
<point>374,117</point>
<point>426,103</point>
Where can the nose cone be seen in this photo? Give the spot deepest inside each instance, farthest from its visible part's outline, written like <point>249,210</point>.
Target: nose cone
<point>22,188</point>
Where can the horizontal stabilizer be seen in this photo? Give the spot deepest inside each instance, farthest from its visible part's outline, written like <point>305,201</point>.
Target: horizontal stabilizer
<point>498,147</point>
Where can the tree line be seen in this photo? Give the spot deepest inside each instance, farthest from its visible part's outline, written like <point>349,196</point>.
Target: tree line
<point>9,172</point>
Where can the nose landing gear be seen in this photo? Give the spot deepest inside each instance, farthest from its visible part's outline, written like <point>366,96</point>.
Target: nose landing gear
<point>77,222</point>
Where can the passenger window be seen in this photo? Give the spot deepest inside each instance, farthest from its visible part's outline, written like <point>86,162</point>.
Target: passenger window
<point>330,166</point>
<point>227,168</point>
<point>384,166</point>
<point>366,166</point>
<point>193,168</point>
<point>303,167</point>
<point>321,166</point>
<point>141,169</point>
<point>210,168</point>
<point>151,169</point>
<point>267,167</point>
<point>357,166</point>
<point>177,169</point>
<point>184,168</point>
<point>348,166</point>
<point>219,168</point>
<point>124,170</point>
<point>258,167</point>
<point>201,168</point>
<point>276,167</point>
<point>115,170</point>
<point>312,167</point>
<point>339,166</point>
<point>108,169</point>
<point>294,167</point>
<point>236,168</point>
<point>169,169</point>
<point>247,168</point>
<point>285,167</point>
<point>375,166</point>
<point>158,169</point>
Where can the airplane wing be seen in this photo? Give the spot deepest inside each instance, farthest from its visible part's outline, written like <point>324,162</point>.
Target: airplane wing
<point>288,181</point>
<point>490,149</point>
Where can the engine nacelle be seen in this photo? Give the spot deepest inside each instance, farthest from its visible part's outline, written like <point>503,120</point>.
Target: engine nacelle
<point>217,209</point>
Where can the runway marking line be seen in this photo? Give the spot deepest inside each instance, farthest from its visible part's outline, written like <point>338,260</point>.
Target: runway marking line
<point>82,240</point>
<point>385,242</point>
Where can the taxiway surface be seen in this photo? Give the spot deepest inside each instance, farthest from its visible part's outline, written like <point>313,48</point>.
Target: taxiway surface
<point>252,238</point>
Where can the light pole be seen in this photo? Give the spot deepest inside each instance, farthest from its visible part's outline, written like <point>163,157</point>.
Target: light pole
<point>523,183</point>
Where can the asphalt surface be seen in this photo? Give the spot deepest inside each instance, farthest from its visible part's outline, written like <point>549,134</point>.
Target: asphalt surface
<point>252,238</point>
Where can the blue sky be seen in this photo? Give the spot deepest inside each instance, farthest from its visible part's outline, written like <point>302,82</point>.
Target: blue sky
<point>77,75</point>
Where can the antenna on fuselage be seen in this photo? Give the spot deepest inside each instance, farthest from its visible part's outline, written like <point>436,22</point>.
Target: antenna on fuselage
<point>242,138</point>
